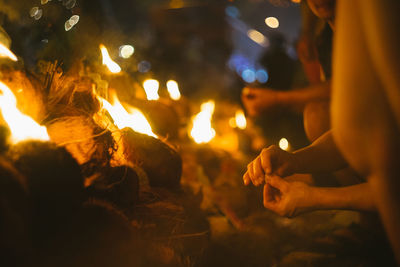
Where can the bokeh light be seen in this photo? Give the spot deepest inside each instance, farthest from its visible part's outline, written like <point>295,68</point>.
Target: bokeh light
<point>257,37</point>
<point>262,76</point>
<point>284,144</point>
<point>126,51</point>
<point>144,66</point>
<point>249,76</point>
<point>272,22</point>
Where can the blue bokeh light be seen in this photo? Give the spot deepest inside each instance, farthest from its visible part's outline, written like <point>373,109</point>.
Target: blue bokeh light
<point>144,66</point>
<point>249,76</point>
<point>232,11</point>
<point>262,76</point>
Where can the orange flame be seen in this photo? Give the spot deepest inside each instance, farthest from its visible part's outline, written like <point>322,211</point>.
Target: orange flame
<point>133,119</point>
<point>22,127</point>
<point>239,120</point>
<point>5,52</point>
<point>202,132</point>
<point>111,65</point>
<point>151,87</point>
<point>173,90</point>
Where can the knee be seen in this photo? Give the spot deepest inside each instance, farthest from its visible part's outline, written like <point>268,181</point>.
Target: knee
<point>316,117</point>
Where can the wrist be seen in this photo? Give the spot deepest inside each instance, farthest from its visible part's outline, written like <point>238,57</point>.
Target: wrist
<point>306,198</point>
<point>296,163</point>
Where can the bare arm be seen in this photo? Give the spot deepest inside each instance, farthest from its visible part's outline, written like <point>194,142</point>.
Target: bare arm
<point>293,198</point>
<point>355,197</point>
<point>300,97</point>
<point>257,100</point>
<point>320,156</point>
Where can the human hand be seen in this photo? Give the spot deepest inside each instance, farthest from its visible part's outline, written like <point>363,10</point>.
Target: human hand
<point>257,100</point>
<point>287,199</point>
<point>271,161</point>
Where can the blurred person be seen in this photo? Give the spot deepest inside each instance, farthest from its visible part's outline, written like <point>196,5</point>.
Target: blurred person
<point>312,100</point>
<point>365,120</point>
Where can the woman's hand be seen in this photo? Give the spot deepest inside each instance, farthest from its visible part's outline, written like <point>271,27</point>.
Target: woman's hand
<point>287,199</point>
<point>271,161</point>
<point>257,100</point>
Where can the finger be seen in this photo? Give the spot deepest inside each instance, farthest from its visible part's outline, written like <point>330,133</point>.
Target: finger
<point>250,171</point>
<point>266,164</point>
<point>258,171</point>
<point>246,179</point>
<point>277,182</point>
<point>269,193</point>
<point>268,200</point>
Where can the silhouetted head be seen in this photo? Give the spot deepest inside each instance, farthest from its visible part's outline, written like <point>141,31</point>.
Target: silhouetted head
<point>324,9</point>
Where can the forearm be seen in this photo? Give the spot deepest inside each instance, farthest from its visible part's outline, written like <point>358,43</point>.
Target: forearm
<point>300,97</point>
<point>321,156</point>
<point>355,197</point>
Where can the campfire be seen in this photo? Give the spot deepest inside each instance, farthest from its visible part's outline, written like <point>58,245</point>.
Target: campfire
<point>122,159</point>
<point>113,159</point>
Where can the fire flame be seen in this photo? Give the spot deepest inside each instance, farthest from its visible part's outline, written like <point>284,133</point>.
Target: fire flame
<point>202,132</point>
<point>239,120</point>
<point>111,65</point>
<point>173,90</point>
<point>133,119</point>
<point>22,127</point>
<point>151,88</point>
<point>5,52</point>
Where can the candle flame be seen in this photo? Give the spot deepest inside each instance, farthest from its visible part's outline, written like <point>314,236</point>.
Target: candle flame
<point>22,127</point>
<point>133,119</point>
<point>111,65</point>
<point>5,52</point>
<point>151,88</point>
<point>173,90</point>
<point>202,132</point>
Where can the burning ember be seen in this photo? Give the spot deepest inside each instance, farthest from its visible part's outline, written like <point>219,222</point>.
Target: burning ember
<point>111,65</point>
<point>5,52</point>
<point>202,132</point>
<point>173,90</point>
<point>151,88</point>
<point>133,119</point>
<point>22,127</point>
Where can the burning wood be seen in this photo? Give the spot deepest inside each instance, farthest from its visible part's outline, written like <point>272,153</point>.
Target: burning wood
<point>162,163</point>
<point>163,118</point>
<point>133,119</point>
